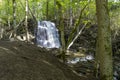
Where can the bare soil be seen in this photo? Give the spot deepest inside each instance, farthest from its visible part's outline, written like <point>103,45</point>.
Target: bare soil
<point>23,61</point>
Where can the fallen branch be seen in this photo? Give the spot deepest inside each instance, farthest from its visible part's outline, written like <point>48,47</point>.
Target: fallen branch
<point>76,37</point>
<point>76,25</point>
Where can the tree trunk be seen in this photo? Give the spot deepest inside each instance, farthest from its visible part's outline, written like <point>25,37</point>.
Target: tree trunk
<point>8,12</point>
<point>61,27</point>
<point>14,17</point>
<point>55,15</point>
<point>103,48</point>
<point>71,14</point>
<point>47,5</point>
<point>26,21</point>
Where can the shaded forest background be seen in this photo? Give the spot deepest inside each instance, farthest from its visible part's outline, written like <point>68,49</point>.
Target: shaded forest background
<point>68,14</point>
<point>75,19</point>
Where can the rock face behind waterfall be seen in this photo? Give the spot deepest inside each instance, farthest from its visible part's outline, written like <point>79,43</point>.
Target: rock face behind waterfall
<point>47,35</point>
<point>21,61</point>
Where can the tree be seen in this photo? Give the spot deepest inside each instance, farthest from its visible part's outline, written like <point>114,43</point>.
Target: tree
<point>26,21</point>
<point>55,9</point>
<point>8,10</point>
<point>14,16</point>
<point>71,18</point>
<point>71,38</point>
<point>103,48</point>
<point>47,5</point>
<point>61,27</point>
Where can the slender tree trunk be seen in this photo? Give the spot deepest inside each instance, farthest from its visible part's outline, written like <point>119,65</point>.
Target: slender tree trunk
<point>55,15</point>
<point>61,30</point>
<point>62,39</point>
<point>8,10</point>
<point>26,21</point>
<point>103,49</point>
<point>1,30</point>
<point>14,17</point>
<point>71,11</point>
<point>47,6</point>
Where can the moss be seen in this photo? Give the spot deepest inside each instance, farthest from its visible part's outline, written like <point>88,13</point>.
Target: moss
<point>105,77</point>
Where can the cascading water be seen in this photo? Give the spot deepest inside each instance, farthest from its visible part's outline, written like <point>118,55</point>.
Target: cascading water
<point>47,35</point>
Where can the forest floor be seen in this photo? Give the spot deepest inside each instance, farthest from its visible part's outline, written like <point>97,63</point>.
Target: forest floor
<point>23,61</point>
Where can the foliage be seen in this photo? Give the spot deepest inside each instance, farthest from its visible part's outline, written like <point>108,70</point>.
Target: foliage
<point>37,8</point>
<point>114,15</point>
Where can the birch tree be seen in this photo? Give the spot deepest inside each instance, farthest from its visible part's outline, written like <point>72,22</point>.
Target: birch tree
<point>26,20</point>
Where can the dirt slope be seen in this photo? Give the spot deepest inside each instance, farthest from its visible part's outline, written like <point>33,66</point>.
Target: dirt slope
<point>21,61</point>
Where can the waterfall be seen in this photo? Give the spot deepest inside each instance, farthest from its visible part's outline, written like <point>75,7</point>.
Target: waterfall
<point>47,35</point>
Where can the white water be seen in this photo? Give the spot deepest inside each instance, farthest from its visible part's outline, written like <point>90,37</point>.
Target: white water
<point>47,35</point>
<point>80,59</point>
